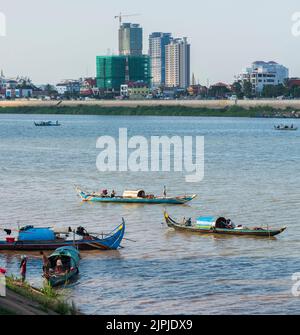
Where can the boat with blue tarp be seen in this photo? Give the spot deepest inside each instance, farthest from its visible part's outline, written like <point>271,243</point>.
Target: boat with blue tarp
<point>219,225</point>
<point>32,238</point>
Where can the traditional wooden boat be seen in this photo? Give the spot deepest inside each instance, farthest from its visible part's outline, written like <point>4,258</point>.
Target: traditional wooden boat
<point>38,239</point>
<point>286,127</point>
<point>69,258</point>
<point>47,124</point>
<point>134,197</point>
<point>211,225</point>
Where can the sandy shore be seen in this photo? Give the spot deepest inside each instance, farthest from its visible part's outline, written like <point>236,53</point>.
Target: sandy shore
<point>213,104</point>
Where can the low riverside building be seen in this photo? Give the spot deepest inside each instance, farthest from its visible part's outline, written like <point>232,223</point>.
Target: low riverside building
<point>294,82</point>
<point>68,86</point>
<point>135,90</point>
<point>19,88</point>
<point>261,74</point>
<point>88,87</point>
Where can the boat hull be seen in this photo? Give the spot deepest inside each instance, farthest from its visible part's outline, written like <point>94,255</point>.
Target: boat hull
<point>234,232</point>
<point>120,200</point>
<point>55,281</point>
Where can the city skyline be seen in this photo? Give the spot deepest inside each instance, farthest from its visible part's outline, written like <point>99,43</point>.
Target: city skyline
<point>235,34</point>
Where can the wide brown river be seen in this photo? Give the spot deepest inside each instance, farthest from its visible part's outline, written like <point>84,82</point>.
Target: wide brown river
<point>252,176</point>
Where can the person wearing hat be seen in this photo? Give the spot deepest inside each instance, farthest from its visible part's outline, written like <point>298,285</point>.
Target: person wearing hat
<point>23,269</point>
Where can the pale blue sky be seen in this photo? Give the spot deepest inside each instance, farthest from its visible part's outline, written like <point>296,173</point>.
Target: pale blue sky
<point>50,40</point>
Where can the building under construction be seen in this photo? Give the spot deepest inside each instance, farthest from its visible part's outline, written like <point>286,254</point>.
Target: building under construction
<point>114,71</point>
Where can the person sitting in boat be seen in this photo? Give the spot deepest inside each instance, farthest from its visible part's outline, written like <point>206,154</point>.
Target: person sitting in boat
<point>230,224</point>
<point>104,193</point>
<point>59,266</point>
<point>188,222</point>
<point>113,194</point>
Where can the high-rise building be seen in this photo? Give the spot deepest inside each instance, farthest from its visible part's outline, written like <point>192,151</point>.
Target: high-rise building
<point>178,63</point>
<point>157,52</point>
<point>130,40</point>
<point>261,74</point>
<point>114,71</point>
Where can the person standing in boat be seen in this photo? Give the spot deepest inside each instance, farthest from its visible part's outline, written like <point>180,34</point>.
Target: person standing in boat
<point>23,268</point>
<point>46,264</point>
<point>113,194</point>
<point>165,191</point>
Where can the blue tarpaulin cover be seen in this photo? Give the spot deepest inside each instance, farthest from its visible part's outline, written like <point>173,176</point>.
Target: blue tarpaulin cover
<point>36,234</point>
<point>206,219</point>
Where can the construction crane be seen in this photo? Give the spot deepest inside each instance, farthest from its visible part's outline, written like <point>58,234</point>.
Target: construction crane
<point>120,16</point>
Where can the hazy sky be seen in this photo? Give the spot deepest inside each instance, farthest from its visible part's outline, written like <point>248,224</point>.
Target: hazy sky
<point>49,40</point>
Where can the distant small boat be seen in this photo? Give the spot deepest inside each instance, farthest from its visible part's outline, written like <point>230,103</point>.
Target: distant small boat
<point>286,127</point>
<point>134,197</point>
<point>211,225</point>
<point>68,268</point>
<point>47,124</point>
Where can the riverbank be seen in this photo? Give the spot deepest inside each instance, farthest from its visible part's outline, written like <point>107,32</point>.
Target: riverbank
<point>22,299</point>
<point>79,108</point>
<point>209,104</point>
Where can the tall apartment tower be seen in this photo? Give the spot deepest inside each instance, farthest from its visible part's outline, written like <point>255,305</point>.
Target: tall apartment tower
<point>157,52</point>
<point>178,63</point>
<point>130,40</point>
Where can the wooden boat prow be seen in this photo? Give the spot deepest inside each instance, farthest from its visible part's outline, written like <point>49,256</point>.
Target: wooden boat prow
<point>209,229</point>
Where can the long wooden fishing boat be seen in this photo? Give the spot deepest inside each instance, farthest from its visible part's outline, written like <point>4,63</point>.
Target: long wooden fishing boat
<point>285,128</point>
<point>47,124</point>
<point>211,225</point>
<point>38,239</point>
<point>61,275</point>
<point>134,197</point>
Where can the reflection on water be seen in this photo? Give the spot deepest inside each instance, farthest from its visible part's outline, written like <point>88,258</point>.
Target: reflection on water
<point>251,176</point>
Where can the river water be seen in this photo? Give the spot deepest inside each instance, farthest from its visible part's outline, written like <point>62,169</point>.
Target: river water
<point>252,175</point>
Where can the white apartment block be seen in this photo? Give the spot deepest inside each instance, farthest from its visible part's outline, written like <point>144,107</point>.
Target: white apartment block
<point>178,63</point>
<point>157,52</point>
<point>262,73</point>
